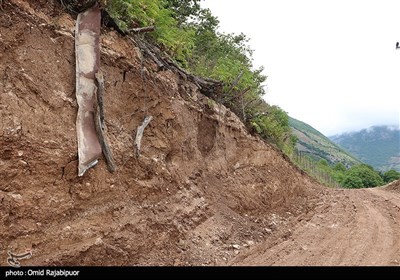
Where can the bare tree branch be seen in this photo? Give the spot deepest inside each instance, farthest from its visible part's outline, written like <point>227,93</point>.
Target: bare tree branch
<point>236,81</point>
<point>139,134</point>
<point>141,29</point>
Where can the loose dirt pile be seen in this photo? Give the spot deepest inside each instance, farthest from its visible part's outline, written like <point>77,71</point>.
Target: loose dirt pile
<point>348,227</point>
<point>394,186</point>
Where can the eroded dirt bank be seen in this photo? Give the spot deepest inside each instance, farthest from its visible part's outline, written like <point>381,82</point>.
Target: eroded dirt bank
<point>203,191</point>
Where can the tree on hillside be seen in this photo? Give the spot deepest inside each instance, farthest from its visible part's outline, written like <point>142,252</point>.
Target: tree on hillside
<point>339,167</point>
<point>338,173</point>
<point>352,181</point>
<point>366,174</point>
<point>323,162</point>
<point>183,11</point>
<point>390,176</point>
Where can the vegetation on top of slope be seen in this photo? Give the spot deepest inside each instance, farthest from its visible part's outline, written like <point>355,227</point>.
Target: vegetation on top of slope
<point>188,33</point>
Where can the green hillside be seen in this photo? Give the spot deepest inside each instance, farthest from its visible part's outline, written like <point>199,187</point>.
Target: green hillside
<point>313,143</point>
<point>378,146</point>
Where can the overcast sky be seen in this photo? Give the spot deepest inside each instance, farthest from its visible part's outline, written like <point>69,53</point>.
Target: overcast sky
<point>330,63</point>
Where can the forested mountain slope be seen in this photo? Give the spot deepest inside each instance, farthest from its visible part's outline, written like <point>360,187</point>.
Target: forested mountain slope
<point>378,146</point>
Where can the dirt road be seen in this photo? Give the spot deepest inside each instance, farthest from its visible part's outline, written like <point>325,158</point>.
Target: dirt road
<point>348,227</point>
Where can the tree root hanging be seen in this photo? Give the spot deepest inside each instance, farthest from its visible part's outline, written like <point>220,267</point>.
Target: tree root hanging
<point>99,122</point>
<point>139,134</point>
<point>207,86</point>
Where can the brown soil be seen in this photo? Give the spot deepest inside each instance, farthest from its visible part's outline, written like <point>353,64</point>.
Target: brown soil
<point>203,191</point>
<point>348,227</point>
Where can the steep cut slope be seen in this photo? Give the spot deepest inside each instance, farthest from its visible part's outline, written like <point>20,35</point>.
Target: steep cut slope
<point>378,146</point>
<point>202,191</point>
<point>314,144</point>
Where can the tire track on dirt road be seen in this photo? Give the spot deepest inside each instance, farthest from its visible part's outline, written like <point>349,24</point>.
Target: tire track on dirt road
<point>349,227</point>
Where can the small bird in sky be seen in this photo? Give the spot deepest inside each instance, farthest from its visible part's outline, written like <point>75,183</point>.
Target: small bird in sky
<point>397,45</point>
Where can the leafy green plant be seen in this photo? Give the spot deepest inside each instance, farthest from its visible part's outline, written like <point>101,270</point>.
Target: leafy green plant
<point>178,41</point>
<point>390,176</point>
<point>352,181</point>
<point>366,174</point>
<point>273,125</point>
<point>189,34</point>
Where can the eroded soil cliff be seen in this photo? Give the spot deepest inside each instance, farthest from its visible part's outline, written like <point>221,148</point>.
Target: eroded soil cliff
<point>202,191</point>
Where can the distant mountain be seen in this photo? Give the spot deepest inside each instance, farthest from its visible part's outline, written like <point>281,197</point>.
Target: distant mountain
<point>378,146</point>
<point>314,144</point>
